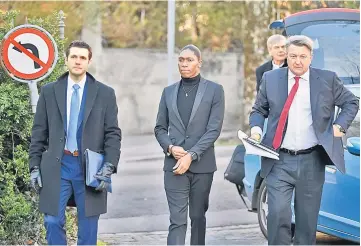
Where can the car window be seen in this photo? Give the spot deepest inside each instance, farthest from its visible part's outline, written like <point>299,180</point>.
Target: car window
<point>336,46</point>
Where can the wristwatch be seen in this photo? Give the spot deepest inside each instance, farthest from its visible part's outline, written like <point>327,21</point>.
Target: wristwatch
<point>193,155</point>
<point>340,128</point>
<point>169,152</point>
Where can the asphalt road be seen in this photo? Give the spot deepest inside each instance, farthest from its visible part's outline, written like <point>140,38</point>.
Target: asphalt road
<point>138,202</point>
<point>138,210</point>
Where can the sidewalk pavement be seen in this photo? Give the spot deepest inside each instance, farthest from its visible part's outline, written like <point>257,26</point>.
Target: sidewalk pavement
<point>160,222</point>
<point>230,235</point>
<point>151,230</point>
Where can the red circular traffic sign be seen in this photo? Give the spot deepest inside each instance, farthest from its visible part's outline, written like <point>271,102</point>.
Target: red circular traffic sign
<point>29,53</point>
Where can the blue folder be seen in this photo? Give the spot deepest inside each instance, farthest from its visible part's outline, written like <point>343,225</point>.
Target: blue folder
<point>94,162</point>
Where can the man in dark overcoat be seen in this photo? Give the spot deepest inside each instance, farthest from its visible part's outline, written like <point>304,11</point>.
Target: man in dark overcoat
<point>73,114</point>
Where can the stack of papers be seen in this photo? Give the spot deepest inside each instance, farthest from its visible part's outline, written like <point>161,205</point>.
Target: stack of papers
<point>255,148</point>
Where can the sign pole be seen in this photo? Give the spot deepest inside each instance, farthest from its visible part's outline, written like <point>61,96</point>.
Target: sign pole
<point>34,96</point>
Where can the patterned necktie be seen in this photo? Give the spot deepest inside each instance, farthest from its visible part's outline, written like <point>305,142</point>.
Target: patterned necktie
<point>73,120</point>
<point>283,117</point>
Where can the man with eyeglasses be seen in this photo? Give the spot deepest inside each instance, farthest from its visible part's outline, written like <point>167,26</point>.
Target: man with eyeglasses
<point>299,102</point>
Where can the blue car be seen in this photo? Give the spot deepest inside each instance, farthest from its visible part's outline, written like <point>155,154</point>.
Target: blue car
<point>336,35</point>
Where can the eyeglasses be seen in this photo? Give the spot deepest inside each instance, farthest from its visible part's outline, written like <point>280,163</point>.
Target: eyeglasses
<point>294,57</point>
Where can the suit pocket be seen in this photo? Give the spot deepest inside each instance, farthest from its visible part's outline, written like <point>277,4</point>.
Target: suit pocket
<point>99,151</point>
<point>290,164</point>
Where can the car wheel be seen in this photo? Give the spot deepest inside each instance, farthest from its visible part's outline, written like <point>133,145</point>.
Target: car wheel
<point>262,210</point>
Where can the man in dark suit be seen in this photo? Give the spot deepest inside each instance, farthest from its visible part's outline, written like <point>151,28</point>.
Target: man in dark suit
<point>73,114</point>
<point>189,121</point>
<point>276,45</point>
<point>299,102</point>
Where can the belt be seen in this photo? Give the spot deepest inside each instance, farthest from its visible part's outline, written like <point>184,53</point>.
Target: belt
<point>67,152</point>
<point>299,152</point>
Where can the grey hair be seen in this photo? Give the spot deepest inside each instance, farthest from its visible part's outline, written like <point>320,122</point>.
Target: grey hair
<point>300,40</point>
<point>272,40</point>
<point>194,49</point>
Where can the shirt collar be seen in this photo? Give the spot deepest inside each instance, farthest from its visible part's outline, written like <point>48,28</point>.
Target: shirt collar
<point>81,83</point>
<point>278,66</point>
<point>305,76</point>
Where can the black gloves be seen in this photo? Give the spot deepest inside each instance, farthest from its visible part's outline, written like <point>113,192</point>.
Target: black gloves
<point>35,179</point>
<point>103,175</point>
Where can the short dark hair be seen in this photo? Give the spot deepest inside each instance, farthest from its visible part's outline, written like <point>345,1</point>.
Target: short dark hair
<point>194,49</point>
<point>79,44</point>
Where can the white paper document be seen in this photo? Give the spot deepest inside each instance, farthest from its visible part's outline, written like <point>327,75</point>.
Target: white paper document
<point>255,148</point>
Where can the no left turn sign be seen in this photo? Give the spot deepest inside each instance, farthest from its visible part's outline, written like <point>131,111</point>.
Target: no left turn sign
<point>29,53</point>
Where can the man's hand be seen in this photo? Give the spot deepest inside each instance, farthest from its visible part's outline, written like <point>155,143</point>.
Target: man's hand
<point>256,136</point>
<point>35,179</point>
<point>178,152</point>
<point>337,131</point>
<point>183,164</point>
<point>103,175</point>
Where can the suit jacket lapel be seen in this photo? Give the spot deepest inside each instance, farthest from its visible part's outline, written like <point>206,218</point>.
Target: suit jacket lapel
<point>269,66</point>
<point>200,93</point>
<point>283,92</point>
<point>91,93</point>
<point>315,90</point>
<point>174,103</point>
<point>60,95</point>
<point>283,87</point>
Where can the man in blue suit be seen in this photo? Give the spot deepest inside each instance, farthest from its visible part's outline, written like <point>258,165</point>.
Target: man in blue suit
<point>299,102</point>
<point>73,114</point>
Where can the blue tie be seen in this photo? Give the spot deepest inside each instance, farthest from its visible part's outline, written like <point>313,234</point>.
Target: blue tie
<point>73,120</point>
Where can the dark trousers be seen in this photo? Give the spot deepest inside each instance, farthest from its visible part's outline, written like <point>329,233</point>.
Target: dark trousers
<point>304,174</point>
<point>189,189</point>
<point>71,185</point>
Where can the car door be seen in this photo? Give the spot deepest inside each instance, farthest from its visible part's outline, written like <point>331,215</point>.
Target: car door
<point>340,204</point>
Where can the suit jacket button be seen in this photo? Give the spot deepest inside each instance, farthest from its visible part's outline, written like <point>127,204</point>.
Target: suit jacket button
<point>61,139</point>
<point>187,136</point>
<point>58,159</point>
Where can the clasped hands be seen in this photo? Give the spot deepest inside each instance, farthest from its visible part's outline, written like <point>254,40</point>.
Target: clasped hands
<point>184,159</point>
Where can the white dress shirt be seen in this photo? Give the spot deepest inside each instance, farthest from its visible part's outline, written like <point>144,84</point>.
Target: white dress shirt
<point>300,133</point>
<point>69,93</point>
<point>275,66</point>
